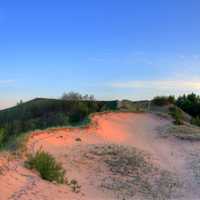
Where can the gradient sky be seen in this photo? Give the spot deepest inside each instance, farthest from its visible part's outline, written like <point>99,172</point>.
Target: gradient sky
<point>109,48</point>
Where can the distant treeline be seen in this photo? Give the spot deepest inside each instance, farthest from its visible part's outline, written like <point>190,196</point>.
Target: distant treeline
<point>44,113</point>
<point>163,100</point>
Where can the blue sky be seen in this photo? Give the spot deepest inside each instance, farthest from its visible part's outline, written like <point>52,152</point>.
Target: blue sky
<point>109,48</point>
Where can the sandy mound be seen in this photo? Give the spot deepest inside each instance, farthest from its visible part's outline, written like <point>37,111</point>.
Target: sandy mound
<point>120,156</point>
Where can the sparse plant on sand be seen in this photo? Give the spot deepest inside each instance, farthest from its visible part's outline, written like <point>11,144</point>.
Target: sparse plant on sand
<point>78,139</point>
<point>47,166</point>
<point>73,184</point>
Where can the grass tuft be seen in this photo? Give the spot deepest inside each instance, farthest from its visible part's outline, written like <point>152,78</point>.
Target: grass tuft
<point>47,166</point>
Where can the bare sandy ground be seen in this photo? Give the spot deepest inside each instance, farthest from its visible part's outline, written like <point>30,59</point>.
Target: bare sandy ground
<point>72,148</point>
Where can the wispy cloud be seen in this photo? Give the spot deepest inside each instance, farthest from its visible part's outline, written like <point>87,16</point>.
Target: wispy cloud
<point>159,84</point>
<point>8,81</point>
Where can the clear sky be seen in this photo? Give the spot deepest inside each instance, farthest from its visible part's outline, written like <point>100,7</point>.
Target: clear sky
<point>110,48</point>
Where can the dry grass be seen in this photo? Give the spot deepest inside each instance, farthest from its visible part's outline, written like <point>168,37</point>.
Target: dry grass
<point>130,106</point>
<point>133,174</point>
<point>195,166</point>
<point>186,131</point>
<point>163,115</point>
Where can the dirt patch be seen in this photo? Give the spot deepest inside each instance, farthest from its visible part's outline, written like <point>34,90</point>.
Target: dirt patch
<point>128,172</point>
<point>195,166</point>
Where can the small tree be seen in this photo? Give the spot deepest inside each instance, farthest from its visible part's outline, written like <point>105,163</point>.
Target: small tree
<point>20,103</point>
<point>71,96</point>
<point>75,96</point>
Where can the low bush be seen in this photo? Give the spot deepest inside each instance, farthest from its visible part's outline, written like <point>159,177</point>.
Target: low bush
<point>177,115</point>
<point>47,166</point>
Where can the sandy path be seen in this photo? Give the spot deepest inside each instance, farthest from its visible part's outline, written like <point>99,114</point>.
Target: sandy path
<point>137,130</point>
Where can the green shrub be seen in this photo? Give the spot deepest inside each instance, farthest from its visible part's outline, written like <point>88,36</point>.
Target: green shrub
<point>177,119</point>
<point>47,166</point>
<point>177,115</point>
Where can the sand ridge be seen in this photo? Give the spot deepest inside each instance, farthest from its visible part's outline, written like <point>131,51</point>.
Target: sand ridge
<point>70,147</point>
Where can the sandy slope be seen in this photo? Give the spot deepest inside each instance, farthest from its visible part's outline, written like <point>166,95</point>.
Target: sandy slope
<point>137,130</point>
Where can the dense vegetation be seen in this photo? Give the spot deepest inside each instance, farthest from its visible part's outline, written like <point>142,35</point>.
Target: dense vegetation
<point>190,104</point>
<point>44,113</point>
<point>163,100</point>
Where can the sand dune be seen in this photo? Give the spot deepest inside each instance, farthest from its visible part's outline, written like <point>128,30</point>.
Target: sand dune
<point>84,154</point>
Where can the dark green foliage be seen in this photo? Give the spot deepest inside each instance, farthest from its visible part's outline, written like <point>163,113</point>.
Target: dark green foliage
<point>163,100</point>
<point>190,104</point>
<point>47,166</point>
<point>176,113</point>
<point>2,136</point>
<point>15,142</point>
<point>44,113</point>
